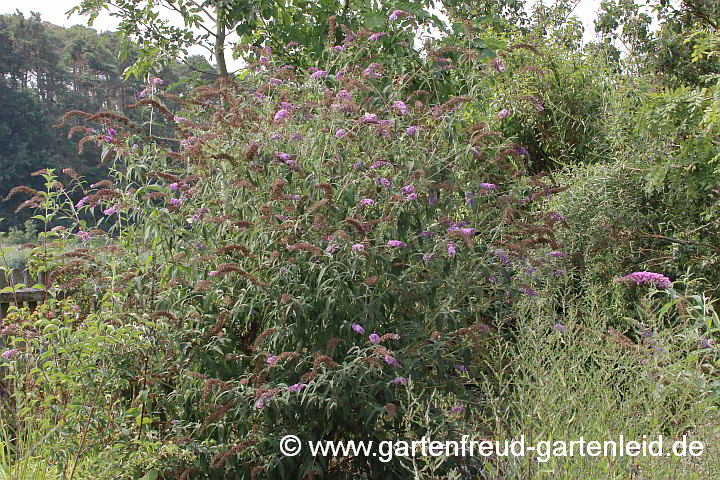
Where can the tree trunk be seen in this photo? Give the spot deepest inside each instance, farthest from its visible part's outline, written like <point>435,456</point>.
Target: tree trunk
<point>220,43</point>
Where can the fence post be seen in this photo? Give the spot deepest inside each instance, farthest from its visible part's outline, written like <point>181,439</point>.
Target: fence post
<point>28,295</point>
<point>3,306</point>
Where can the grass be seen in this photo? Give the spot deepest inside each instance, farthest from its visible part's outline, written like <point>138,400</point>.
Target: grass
<point>22,440</point>
<point>21,457</point>
<point>585,383</point>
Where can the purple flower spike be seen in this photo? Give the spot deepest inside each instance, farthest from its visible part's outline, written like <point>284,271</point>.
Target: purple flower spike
<point>369,118</point>
<point>503,114</point>
<point>498,64</point>
<point>399,381</point>
<point>396,243</point>
<point>297,387</point>
<point>376,36</point>
<point>374,338</point>
<point>400,107</point>
<point>390,360</point>
<point>343,95</point>
<point>647,278</point>
<point>8,354</point>
<point>357,328</point>
<point>281,115</point>
<point>396,14</point>
<point>502,256</point>
<point>272,360</point>
<point>371,71</point>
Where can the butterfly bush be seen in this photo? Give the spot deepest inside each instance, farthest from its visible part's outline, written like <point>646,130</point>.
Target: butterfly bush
<point>647,278</point>
<point>288,224</point>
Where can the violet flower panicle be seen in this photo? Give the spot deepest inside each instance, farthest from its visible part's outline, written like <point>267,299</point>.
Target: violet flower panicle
<point>396,14</point>
<point>647,278</point>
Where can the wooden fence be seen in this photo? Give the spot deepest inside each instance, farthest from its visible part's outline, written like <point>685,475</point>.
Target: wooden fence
<point>21,296</point>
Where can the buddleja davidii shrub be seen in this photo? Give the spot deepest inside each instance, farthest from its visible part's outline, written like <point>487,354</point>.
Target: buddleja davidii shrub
<point>358,176</point>
<point>262,237</point>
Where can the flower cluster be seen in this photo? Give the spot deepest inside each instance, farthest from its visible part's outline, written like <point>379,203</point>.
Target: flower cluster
<point>647,278</point>
<point>8,354</point>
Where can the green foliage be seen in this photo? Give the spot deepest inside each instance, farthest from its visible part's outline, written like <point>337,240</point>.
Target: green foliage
<point>260,23</point>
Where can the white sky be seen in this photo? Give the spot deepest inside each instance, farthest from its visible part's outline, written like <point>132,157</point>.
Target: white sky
<point>53,11</point>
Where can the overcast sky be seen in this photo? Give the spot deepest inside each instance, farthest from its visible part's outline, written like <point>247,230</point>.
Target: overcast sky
<point>53,11</point>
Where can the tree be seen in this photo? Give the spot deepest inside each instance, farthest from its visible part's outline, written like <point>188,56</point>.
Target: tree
<point>507,13</point>
<point>667,51</point>
<point>257,22</point>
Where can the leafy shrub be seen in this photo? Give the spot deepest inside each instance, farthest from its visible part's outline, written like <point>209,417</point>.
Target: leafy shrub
<point>14,258</point>
<point>615,227</point>
<point>15,236</point>
<point>576,376</point>
<point>319,258</point>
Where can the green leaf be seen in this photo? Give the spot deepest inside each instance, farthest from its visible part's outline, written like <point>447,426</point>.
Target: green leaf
<point>151,475</point>
<point>373,21</point>
<point>144,419</point>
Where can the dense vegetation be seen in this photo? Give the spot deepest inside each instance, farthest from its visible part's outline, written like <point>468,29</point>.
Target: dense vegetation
<point>503,232</point>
